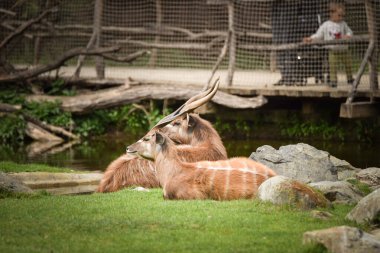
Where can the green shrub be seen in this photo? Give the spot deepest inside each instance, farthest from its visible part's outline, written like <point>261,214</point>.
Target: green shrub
<point>12,129</point>
<point>49,112</point>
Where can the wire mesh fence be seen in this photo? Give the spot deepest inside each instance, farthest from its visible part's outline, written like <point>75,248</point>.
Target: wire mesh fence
<point>278,38</point>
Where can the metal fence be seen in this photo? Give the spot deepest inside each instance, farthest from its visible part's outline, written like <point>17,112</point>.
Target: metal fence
<point>235,36</point>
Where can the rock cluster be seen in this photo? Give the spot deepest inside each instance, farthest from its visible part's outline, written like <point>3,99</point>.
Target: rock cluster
<point>344,239</point>
<point>310,178</point>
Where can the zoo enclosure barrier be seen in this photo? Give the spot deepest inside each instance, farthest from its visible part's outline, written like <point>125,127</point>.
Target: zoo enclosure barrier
<point>238,35</point>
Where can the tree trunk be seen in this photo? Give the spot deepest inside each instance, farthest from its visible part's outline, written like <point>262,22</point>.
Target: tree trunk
<point>127,95</point>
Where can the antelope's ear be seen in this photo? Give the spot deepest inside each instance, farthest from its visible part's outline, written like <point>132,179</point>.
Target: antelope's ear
<point>160,139</point>
<point>190,121</point>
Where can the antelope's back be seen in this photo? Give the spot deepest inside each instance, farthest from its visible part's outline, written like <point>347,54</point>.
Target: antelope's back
<point>238,163</point>
<point>232,179</point>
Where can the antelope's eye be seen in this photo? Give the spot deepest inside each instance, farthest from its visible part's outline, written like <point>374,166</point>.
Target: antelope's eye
<point>146,139</point>
<point>176,123</point>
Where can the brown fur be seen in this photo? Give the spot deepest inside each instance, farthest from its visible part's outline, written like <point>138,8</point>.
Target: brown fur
<point>199,141</point>
<point>220,180</point>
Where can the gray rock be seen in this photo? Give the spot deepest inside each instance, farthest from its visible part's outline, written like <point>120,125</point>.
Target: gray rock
<point>376,233</point>
<point>370,176</point>
<point>339,191</point>
<point>367,210</point>
<point>343,239</point>
<point>301,161</point>
<point>322,215</point>
<point>282,190</point>
<point>9,184</point>
<point>345,170</point>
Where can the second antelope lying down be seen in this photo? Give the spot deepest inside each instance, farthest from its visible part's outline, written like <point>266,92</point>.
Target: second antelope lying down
<point>197,138</point>
<point>237,178</point>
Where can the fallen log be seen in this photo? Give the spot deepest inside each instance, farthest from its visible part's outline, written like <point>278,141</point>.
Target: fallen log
<point>42,135</point>
<point>127,94</point>
<point>53,130</point>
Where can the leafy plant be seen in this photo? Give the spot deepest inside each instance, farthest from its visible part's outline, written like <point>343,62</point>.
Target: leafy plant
<point>90,125</point>
<point>49,112</point>
<point>299,129</point>
<point>365,130</point>
<point>58,87</point>
<point>11,96</point>
<point>12,129</point>
<point>222,127</point>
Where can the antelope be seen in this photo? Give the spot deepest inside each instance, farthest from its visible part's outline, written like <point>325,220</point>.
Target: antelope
<point>197,141</point>
<point>236,178</point>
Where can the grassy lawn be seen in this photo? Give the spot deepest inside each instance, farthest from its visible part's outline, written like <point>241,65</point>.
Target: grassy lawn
<point>6,166</point>
<point>131,221</point>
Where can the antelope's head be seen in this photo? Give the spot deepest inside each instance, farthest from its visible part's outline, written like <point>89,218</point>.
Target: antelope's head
<point>148,147</point>
<point>180,130</point>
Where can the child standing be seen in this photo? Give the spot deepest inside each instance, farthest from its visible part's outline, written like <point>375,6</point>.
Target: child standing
<point>333,29</point>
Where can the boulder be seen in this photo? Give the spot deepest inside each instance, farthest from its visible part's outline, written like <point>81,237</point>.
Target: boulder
<point>339,191</point>
<point>9,184</point>
<point>343,239</point>
<point>376,233</point>
<point>301,162</point>
<point>370,176</point>
<point>345,169</point>
<point>322,215</point>
<point>367,210</point>
<point>282,190</point>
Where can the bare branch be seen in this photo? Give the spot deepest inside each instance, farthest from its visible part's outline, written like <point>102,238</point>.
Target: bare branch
<point>188,46</point>
<point>128,58</point>
<point>57,63</point>
<point>25,26</point>
<point>11,28</point>
<point>7,12</point>
<point>82,57</point>
<point>222,54</point>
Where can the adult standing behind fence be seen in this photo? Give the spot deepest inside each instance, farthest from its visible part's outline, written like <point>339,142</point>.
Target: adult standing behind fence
<point>284,21</point>
<point>332,29</point>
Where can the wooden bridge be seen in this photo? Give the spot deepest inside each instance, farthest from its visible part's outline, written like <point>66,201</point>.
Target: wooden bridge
<point>246,83</point>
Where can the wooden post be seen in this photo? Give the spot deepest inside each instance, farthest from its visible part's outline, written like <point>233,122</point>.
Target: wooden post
<point>37,50</point>
<point>153,56</point>
<point>99,60</point>
<point>373,37</point>
<point>273,61</point>
<point>232,48</point>
<point>37,40</point>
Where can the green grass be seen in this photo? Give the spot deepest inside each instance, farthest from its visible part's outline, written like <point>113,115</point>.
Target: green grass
<point>6,166</point>
<point>130,221</point>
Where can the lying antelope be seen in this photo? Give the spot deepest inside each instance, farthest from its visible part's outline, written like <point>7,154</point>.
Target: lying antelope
<point>237,178</point>
<point>197,138</point>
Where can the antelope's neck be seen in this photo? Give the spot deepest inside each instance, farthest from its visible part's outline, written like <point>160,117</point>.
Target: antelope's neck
<point>168,165</point>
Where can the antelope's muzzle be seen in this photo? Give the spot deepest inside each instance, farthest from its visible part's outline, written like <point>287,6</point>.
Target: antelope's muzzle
<point>130,150</point>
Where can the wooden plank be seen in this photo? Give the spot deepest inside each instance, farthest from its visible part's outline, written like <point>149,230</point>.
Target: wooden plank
<point>359,110</point>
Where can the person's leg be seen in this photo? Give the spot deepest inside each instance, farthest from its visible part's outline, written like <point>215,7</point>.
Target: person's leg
<point>347,62</point>
<point>281,66</point>
<point>333,61</point>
